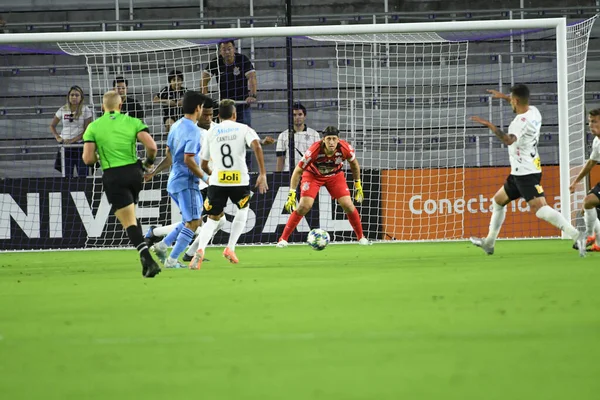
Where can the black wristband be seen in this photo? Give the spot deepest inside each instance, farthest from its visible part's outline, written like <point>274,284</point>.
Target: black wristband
<point>149,161</point>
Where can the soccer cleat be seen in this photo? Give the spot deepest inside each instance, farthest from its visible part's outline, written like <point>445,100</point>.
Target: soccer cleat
<point>580,241</point>
<point>230,255</point>
<point>160,249</point>
<point>282,243</point>
<point>172,263</point>
<point>594,248</point>
<point>364,241</point>
<point>150,238</point>
<point>489,250</point>
<point>590,240</point>
<point>149,268</point>
<point>196,261</point>
<point>187,258</point>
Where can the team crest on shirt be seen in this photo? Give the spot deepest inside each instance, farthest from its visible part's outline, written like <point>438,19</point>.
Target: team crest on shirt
<point>539,189</point>
<point>242,203</point>
<point>305,186</point>
<point>236,71</point>
<point>339,160</point>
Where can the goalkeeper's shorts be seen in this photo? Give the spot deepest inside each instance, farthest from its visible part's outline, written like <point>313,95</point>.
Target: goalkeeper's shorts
<point>336,185</point>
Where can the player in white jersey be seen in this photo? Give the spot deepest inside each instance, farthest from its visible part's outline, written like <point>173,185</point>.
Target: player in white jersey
<point>155,233</point>
<point>225,145</point>
<point>592,200</point>
<point>525,170</point>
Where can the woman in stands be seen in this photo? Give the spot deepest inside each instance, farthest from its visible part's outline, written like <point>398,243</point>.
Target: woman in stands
<point>75,116</point>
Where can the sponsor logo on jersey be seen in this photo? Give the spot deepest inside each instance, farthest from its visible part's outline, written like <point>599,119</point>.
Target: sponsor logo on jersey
<point>222,131</point>
<point>537,163</point>
<point>230,177</point>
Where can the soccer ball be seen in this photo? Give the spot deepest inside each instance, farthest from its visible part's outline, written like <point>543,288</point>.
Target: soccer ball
<point>318,239</point>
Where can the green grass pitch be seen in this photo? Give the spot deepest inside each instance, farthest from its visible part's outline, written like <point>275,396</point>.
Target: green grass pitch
<point>401,321</point>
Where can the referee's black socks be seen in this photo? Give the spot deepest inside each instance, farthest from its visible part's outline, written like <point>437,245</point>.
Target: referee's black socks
<point>137,239</point>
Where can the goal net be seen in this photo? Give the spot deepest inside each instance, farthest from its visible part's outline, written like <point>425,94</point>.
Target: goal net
<point>403,100</point>
<point>152,71</point>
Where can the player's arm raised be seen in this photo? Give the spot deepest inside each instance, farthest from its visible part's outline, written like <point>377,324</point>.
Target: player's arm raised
<point>506,138</point>
<point>498,95</point>
<point>583,173</point>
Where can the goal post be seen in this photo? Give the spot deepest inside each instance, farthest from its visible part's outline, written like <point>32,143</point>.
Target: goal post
<point>401,94</point>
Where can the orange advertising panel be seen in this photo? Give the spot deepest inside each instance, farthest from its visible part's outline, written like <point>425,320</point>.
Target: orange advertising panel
<point>594,177</point>
<point>456,203</point>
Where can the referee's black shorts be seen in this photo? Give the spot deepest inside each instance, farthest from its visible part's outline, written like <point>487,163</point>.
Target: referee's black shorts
<point>122,185</point>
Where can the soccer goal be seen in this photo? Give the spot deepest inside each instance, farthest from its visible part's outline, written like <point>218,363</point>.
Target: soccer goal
<point>401,94</point>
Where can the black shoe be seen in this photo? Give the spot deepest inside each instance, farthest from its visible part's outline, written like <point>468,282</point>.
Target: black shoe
<point>150,238</point>
<point>149,267</point>
<point>187,258</point>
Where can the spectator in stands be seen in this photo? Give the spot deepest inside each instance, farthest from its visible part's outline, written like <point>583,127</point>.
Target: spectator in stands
<point>171,97</point>
<point>75,116</point>
<point>236,77</point>
<point>130,106</point>
<point>303,138</point>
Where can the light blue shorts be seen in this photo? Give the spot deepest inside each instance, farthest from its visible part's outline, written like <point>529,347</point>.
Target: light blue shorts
<point>189,202</point>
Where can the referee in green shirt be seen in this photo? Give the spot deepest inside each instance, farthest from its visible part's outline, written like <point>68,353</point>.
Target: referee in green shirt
<point>112,138</point>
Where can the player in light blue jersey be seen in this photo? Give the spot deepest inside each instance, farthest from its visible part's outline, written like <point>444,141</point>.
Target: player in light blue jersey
<point>183,145</point>
<point>156,233</point>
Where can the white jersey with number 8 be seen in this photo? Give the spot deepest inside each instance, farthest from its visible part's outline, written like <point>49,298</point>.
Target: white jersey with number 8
<point>225,145</point>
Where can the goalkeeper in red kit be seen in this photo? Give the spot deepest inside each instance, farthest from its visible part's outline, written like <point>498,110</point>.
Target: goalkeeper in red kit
<point>322,165</point>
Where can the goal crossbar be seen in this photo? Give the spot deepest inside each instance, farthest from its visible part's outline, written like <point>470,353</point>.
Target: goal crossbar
<point>317,30</point>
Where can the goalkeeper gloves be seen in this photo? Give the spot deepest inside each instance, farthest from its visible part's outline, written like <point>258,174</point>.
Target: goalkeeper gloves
<point>358,191</point>
<point>290,204</point>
